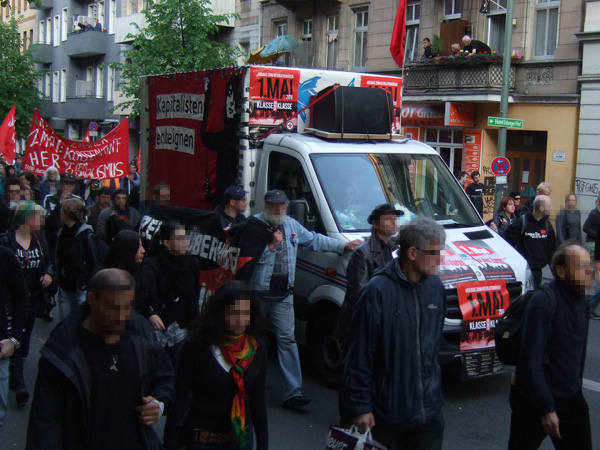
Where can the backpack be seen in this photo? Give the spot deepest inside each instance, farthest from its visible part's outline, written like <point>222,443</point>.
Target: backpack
<point>508,333</point>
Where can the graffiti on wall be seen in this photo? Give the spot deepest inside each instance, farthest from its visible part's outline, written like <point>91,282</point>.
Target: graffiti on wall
<point>587,187</point>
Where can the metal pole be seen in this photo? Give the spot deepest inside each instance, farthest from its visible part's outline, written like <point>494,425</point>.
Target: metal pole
<point>504,93</point>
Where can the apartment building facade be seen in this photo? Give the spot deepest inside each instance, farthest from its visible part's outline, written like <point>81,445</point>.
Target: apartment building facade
<point>354,35</point>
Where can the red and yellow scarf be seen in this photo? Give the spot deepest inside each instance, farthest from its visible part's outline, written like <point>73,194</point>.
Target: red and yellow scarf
<point>239,351</point>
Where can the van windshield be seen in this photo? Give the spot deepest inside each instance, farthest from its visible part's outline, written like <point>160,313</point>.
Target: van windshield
<point>420,185</point>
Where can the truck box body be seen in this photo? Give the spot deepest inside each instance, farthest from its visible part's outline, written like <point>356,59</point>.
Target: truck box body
<point>203,131</point>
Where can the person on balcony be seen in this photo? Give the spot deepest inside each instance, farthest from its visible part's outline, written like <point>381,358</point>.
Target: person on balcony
<point>474,46</point>
<point>85,26</point>
<point>427,53</point>
<point>98,26</point>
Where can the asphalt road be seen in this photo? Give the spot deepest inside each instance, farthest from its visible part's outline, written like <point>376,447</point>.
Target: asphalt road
<point>477,412</point>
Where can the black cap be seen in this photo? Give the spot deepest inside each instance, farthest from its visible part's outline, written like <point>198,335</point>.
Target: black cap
<point>276,197</point>
<point>382,210</point>
<point>68,177</point>
<point>234,193</point>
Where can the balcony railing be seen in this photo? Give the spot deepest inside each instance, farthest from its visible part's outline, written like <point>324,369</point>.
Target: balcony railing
<point>87,43</point>
<point>448,76</point>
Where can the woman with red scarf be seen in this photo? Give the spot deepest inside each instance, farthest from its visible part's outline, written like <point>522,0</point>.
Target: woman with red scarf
<point>222,369</point>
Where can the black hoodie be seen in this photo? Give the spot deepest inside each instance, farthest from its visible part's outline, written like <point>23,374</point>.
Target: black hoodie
<point>536,240</point>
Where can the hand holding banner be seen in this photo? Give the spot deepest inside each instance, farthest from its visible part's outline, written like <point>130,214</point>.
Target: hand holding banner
<point>105,158</point>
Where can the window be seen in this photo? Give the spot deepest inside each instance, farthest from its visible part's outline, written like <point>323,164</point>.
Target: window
<point>24,40</point>
<point>307,27</point>
<point>55,87</point>
<point>110,91</point>
<point>56,32</point>
<point>448,143</point>
<point>49,30</point>
<point>63,85</point>
<point>112,12</point>
<point>100,14</point>
<point>99,82</point>
<point>332,40</point>
<point>65,25</point>
<point>452,9</point>
<point>361,27</point>
<point>42,33</point>
<point>413,19</point>
<point>132,7</point>
<point>31,41</point>
<point>280,28</point>
<point>546,27</point>
<point>47,85</point>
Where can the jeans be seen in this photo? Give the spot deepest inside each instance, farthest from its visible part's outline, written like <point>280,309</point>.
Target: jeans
<point>526,432</point>
<point>425,437</point>
<point>193,445</point>
<point>68,301</point>
<point>281,315</point>
<point>3,389</point>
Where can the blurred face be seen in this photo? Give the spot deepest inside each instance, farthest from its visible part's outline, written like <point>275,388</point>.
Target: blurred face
<point>464,179</point>
<point>240,205</point>
<point>2,172</point>
<point>26,194</point>
<point>178,243</point>
<point>132,169</point>
<point>293,189</point>
<point>104,200</point>
<point>510,207</point>
<point>546,205</point>
<point>476,179</point>
<point>35,221</point>
<point>52,175</point>
<point>121,201</point>
<point>164,196</point>
<point>428,259</point>
<point>110,310</point>
<point>14,193</point>
<point>237,317</point>
<point>545,191</point>
<point>275,214</point>
<point>426,44</point>
<point>571,202</point>
<point>67,187</point>
<point>387,225</point>
<point>579,271</point>
<point>139,256</point>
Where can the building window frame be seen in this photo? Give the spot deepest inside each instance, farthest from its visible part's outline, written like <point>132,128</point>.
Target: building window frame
<point>56,31</point>
<point>63,85</point>
<point>333,33</point>
<point>452,9</point>
<point>64,24</point>
<point>547,15</point>
<point>42,33</point>
<point>280,27</point>
<point>55,87</point>
<point>99,82</point>
<point>361,31</point>
<point>307,30</point>
<point>413,21</point>
<point>47,85</point>
<point>110,89</point>
<point>112,16</point>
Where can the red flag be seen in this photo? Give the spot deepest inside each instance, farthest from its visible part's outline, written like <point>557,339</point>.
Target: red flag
<point>87,138</point>
<point>397,44</point>
<point>7,136</point>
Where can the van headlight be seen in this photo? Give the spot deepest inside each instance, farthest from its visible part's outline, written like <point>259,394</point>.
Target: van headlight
<point>528,279</point>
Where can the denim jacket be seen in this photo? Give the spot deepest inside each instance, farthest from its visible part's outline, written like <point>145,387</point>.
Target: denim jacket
<point>295,236</point>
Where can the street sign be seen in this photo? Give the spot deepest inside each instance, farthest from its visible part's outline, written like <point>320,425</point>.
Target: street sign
<point>93,133</point>
<point>93,126</point>
<point>503,122</point>
<point>500,166</point>
<point>501,179</point>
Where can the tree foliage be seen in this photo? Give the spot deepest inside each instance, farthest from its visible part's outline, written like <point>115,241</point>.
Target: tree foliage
<point>178,37</point>
<point>18,75</point>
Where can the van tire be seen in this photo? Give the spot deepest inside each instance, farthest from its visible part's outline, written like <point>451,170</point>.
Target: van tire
<point>324,347</point>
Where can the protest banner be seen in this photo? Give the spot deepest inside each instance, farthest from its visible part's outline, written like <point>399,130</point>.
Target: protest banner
<point>108,157</point>
<point>7,136</point>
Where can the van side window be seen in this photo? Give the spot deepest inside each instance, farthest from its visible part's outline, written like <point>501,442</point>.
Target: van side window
<point>286,173</point>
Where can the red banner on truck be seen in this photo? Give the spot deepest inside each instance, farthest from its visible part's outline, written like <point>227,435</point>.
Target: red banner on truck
<point>105,158</point>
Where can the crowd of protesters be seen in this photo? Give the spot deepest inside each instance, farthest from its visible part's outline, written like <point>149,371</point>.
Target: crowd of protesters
<point>134,342</point>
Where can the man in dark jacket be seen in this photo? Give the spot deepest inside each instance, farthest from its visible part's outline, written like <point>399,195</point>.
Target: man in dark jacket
<point>103,381</point>
<point>369,255</point>
<point>13,297</point>
<point>391,381</point>
<point>546,394</point>
<point>533,236</point>
<point>474,46</point>
<point>475,192</point>
<point>234,204</point>
<point>118,217</point>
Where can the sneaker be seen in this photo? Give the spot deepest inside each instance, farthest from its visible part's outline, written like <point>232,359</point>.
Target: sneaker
<point>22,395</point>
<point>296,402</point>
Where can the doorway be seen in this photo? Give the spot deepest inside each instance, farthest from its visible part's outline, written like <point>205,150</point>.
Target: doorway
<point>526,151</point>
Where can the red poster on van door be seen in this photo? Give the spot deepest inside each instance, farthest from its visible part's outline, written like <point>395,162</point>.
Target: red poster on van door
<point>273,95</point>
<point>391,85</point>
<point>480,300</point>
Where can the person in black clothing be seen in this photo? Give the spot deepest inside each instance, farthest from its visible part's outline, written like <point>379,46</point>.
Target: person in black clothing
<point>12,193</point>
<point>26,240</point>
<point>427,53</point>
<point>14,297</point>
<point>118,217</point>
<point>474,46</point>
<point>533,236</point>
<point>568,221</point>
<point>77,256</point>
<point>543,188</point>
<point>234,204</point>
<point>475,192</point>
<point>103,381</point>
<point>170,287</point>
<point>391,380</point>
<point>591,226</point>
<point>505,216</point>
<point>516,196</point>
<point>546,395</point>
<point>223,366</point>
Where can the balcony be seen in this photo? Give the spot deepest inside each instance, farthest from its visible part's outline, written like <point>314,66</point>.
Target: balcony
<point>87,43</point>
<point>455,77</point>
<point>42,52</point>
<point>43,5</point>
<point>123,27</point>
<point>88,108</point>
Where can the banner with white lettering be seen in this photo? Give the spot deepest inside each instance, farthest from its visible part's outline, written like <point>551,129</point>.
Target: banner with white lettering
<point>193,121</point>
<point>108,157</point>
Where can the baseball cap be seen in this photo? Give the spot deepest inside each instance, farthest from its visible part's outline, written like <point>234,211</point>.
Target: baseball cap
<point>276,197</point>
<point>381,210</point>
<point>234,193</point>
<point>68,177</point>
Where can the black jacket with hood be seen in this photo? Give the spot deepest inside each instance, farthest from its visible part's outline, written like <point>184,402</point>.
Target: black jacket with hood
<point>60,412</point>
<point>390,361</point>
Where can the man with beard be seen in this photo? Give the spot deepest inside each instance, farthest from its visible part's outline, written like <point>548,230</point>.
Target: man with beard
<point>533,236</point>
<point>274,274</point>
<point>117,218</point>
